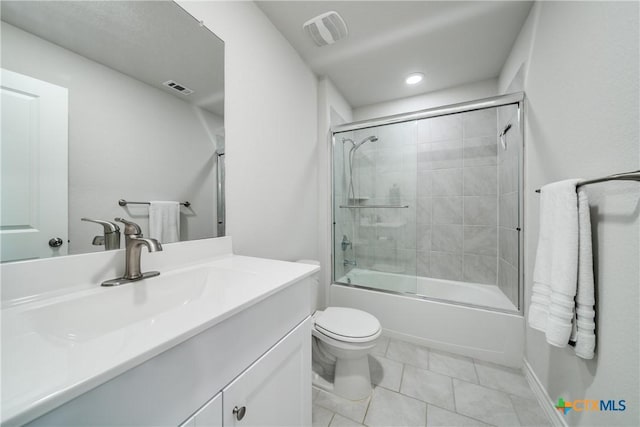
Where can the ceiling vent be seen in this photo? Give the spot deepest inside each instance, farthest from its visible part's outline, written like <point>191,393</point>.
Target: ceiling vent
<point>178,87</point>
<point>326,29</point>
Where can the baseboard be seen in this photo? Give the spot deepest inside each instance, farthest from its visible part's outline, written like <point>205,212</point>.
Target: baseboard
<point>548,406</point>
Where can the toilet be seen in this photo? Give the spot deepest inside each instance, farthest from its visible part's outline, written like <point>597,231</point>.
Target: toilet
<point>344,337</point>
<point>342,340</point>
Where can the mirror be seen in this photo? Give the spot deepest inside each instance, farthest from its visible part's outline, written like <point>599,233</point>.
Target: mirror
<point>103,101</point>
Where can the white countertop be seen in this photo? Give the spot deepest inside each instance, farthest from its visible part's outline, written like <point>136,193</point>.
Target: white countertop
<point>60,347</point>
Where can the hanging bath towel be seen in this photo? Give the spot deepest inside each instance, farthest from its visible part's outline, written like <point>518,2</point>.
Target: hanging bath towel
<point>164,221</point>
<point>563,271</point>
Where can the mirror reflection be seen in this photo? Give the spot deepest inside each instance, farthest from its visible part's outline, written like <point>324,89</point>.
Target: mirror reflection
<point>105,102</point>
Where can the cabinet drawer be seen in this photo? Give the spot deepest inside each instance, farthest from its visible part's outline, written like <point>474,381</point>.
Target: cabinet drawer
<point>276,389</point>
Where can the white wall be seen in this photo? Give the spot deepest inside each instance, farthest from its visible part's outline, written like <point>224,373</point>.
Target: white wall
<point>271,134</point>
<point>581,82</point>
<point>463,93</point>
<point>126,140</point>
<point>333,109</point>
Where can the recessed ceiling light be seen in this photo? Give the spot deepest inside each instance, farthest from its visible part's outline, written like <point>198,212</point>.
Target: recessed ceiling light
<point>414,78</point>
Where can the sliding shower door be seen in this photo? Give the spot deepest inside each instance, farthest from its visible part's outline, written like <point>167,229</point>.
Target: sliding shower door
<point>431,207</point>
<point>375,207</point>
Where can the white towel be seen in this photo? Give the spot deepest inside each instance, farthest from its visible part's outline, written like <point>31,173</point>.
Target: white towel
<point>564,244</point>
<point>164,221</point>
<point>584,325</point>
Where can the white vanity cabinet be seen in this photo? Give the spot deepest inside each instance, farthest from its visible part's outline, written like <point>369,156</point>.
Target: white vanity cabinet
<point>210,415</point>
<point>257,357</point>
<point>273,391</point>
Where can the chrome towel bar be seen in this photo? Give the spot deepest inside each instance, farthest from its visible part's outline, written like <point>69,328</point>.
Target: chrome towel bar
<point>123,202</point>
<point>625,176</point>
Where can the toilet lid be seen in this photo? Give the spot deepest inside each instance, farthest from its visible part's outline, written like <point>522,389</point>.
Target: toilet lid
<point>347,323</point>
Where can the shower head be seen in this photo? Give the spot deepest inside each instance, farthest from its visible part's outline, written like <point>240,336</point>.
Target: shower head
<point>371,138</point>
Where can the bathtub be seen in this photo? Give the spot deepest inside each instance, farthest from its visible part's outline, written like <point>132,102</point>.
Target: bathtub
<point>482,322</point>
<point>475,294</point>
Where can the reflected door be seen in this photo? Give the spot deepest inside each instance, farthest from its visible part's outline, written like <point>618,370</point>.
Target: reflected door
<point>33,150</point>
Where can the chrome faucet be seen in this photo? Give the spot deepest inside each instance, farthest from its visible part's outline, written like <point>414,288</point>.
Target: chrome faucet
<point>111,234</point>
<point>134,242</point>
<point>347,262</point>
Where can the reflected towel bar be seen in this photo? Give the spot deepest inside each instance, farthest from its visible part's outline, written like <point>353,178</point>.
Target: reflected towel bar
<point>625,176</point>
<point>374,206</point>
<point>123,202</point>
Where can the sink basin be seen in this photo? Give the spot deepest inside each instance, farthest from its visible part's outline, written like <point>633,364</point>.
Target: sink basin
<point>97,313</point>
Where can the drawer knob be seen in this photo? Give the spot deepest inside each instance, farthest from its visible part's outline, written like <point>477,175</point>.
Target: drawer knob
<point>239,412</point>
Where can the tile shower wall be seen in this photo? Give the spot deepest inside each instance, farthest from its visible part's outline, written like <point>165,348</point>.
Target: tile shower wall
<point>457,197</point>
<point>461,189</point>
<point>508,239</point>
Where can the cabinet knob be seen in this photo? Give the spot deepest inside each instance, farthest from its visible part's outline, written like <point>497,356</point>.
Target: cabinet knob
<point>55,242</point>
<point>239,412</point>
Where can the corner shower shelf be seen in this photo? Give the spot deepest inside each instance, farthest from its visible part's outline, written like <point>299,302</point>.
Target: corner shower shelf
<point>384,225</point>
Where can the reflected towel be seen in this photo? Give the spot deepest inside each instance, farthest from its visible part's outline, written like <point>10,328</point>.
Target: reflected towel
<point>164,221</point>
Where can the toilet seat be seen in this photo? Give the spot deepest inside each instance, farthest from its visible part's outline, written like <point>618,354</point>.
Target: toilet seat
<point>347,324</point>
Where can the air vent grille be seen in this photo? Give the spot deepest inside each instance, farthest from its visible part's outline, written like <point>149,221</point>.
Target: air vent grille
<point>326,29</point>
<point>178,87</point>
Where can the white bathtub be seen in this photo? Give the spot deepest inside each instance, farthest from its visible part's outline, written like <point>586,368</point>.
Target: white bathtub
<point>431,318</point>
<point>483,296</point>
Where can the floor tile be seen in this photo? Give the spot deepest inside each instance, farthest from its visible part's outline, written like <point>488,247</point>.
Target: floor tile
<point>385,372</point>
<point>340,421</point>
<point>529,412</point>
<point>428,386</point>
<point>389,408</point>
<point>438,417</point>
<point>354,409</point>
<point>408,353</point>
<point>453,365</point>
<point>485,404</point>
<point>505,379</point>
<point>320,417</point>
<point>381,346</point>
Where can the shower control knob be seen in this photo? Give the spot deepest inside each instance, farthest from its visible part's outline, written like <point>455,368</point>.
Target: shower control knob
<point>239,412</point>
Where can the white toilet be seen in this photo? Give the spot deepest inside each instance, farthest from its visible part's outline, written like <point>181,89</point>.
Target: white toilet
<point>342,340</point>
<point>346,336</point>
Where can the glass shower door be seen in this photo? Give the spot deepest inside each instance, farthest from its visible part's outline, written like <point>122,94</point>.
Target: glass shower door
<point>375,207</point>
<point>432,207</point>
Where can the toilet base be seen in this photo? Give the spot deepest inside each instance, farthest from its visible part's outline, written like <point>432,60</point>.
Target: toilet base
<point>352,379</point>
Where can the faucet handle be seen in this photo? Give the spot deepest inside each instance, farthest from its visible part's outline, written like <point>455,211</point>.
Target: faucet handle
<point>130,227</point>
<point>109,227</point>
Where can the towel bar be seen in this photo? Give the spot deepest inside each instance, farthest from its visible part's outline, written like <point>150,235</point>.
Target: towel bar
<point>123,202</point>
<point>625,176</point>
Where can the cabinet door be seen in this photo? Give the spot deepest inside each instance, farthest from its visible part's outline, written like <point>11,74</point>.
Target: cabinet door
<point>276,389</point>
<point>210,415</point>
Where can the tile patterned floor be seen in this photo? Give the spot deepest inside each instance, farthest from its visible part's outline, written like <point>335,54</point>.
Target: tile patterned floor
<point>417,386</point>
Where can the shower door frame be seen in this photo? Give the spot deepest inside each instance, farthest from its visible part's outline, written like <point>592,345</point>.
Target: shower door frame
<point>516,98</point>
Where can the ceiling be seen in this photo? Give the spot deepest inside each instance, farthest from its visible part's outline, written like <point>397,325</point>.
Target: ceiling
<point>451,42</point>
<point>150,41</point>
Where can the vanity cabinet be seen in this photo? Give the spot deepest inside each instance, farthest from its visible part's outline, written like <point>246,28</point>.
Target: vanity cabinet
<point>269,393</point>
<point>210,415</point>
<point>258,357</point>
